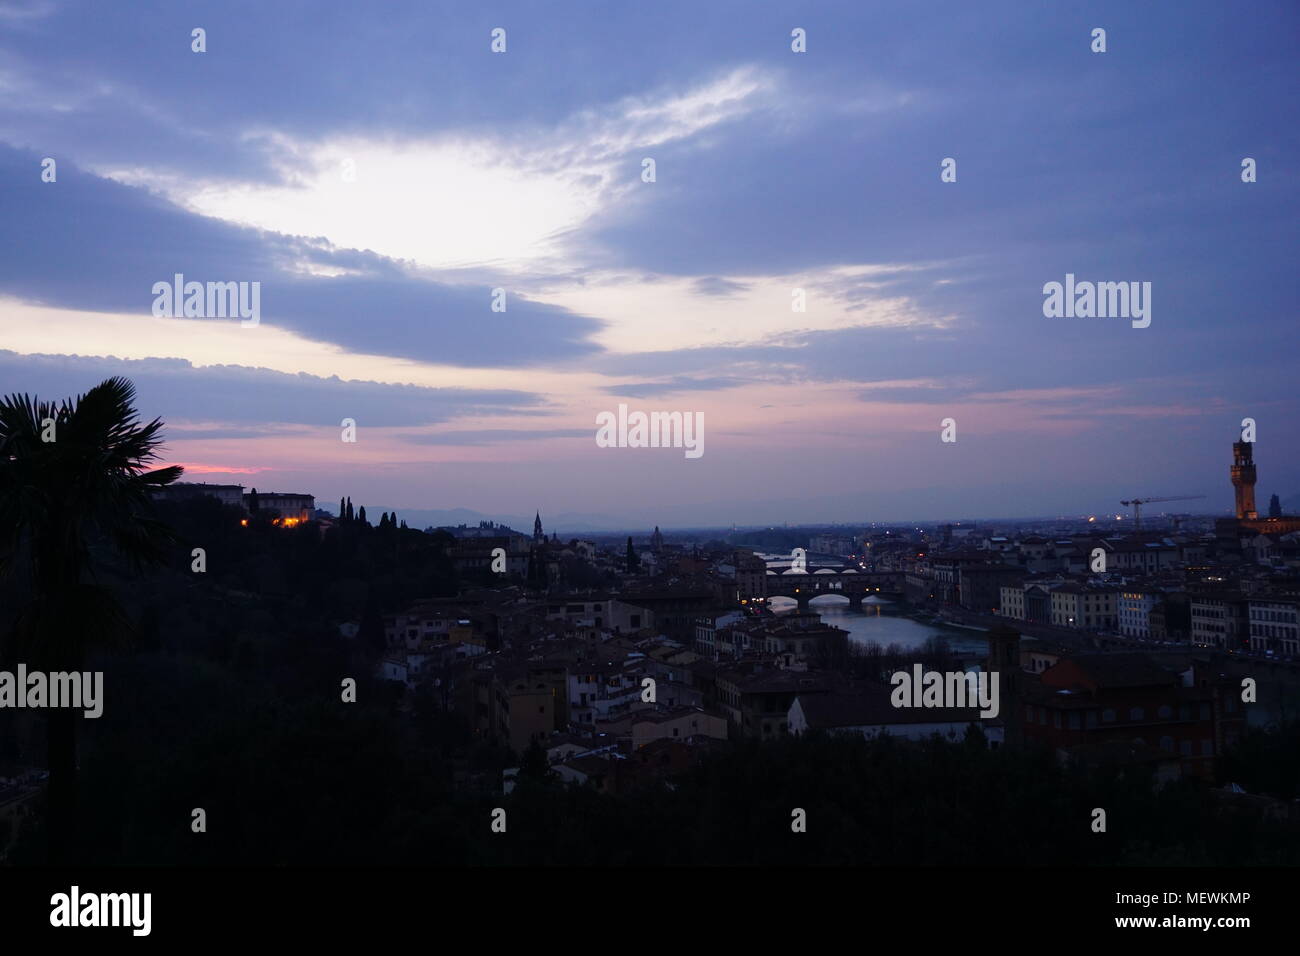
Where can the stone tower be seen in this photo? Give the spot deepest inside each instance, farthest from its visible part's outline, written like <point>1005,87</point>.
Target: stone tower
<point>1243,478</point>
<point>538,534</point>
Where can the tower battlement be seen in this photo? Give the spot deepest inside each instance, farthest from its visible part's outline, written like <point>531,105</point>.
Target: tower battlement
<point>1243,478</point>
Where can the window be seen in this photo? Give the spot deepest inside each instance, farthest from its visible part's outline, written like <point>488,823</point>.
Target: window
<point>1207,747</point>
<point>1167,743</point>
<point>1137,713</point>
<point>1166,712</point>
<point>1185,748</point>
<point>1108,716</point>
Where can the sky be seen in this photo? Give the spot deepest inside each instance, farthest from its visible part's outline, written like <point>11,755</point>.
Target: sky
<point>380,171</point>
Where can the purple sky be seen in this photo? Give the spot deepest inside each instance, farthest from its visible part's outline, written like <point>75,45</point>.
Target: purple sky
<point>380,175</point>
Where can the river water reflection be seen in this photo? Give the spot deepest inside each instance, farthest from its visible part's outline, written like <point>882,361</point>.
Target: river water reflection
<point>881,623</point>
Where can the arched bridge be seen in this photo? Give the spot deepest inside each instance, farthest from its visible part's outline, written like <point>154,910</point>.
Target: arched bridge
<point>852,583</point>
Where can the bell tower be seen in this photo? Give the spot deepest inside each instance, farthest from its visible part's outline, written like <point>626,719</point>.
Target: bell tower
<point>1243,478</point>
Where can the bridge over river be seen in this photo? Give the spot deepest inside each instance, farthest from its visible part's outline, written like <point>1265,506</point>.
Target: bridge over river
<point>851,582</point>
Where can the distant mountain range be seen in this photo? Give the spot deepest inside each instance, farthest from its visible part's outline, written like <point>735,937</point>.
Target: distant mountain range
<point>569,524</point>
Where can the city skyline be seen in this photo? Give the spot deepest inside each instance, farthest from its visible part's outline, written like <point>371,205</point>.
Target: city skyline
<point>379,209</point>
<point>1119,521</point>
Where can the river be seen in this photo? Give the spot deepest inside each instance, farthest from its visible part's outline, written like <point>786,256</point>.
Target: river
<point>881,623</point>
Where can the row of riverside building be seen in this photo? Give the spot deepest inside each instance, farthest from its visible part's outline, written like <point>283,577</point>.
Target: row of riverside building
<point>613,701</point>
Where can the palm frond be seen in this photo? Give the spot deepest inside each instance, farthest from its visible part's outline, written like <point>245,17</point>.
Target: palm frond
<point>91,483</point>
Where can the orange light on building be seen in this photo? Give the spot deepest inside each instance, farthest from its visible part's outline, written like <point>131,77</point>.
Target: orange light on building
<point>243,522</point>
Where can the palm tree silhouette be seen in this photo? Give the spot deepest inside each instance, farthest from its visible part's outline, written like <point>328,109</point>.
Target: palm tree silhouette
<point>74,496</point>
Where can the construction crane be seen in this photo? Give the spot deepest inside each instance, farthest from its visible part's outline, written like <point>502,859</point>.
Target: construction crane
<point>1137,504</point>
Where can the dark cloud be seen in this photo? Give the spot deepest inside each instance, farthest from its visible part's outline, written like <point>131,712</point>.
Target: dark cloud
<point>678,384</point>
<point>714,285</point>
<point>493,436</point>
<point>88,243</point>
<point>239,395</point>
